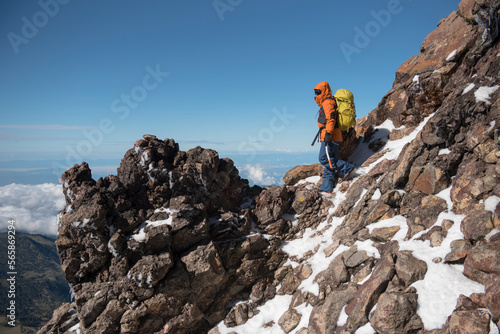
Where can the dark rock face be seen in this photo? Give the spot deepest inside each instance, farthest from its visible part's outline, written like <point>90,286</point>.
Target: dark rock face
<point>163,243</point>
<point>457,149</point>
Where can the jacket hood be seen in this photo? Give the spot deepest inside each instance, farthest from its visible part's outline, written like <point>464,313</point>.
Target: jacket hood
<point>326,92</point>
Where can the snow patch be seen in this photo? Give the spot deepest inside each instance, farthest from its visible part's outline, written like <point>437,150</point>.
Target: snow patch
<point>366,329</point>
<point>311,181</point>
<point>112,250</point>
<point>270,311</point>
<point>468,88</point>
<point>483,93</point>
<point>342,317</point>
<point>368,247</point>
<point>444,151</point>
<point>491,203</point>
<point>492,126</point>
<point>393,147</point>
<point>75,328</point>
<point>437,296</point>
<point>451,56</point>
<point>376,195</point>
<point>140,236</point>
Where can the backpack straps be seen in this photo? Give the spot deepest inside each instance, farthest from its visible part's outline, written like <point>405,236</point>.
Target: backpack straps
<point>336,126</point>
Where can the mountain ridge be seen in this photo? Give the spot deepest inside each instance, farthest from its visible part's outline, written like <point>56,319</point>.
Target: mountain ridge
<point>38,292</point>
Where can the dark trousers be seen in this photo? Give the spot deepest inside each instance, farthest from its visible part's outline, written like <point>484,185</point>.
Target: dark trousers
<point>340,167</point>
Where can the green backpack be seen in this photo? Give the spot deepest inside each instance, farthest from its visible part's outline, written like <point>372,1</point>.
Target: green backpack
<point>346,109</point>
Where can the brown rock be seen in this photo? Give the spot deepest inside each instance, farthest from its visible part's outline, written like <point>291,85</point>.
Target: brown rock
<point>465,10</point>
<point>396,313</point>
<point>453,33</point>
<point>63,318</point>
<point>410,152</point>
<point>435,235</point>
<point>205,263</point>
<point>349,143</point>
<point>185,323</point>
<point>470,322</point>
<point>237,316</point>
<point>271,204</point>
<point>469,186</point>
<point>481,261</point>
<point>289,320</point>
<point>377,213</point>
<point>333,276</point>
<point>324,317</point>
<point>368,294</point>
<point>305,199</point>
<point>354,258</point>
<point>447,224</point>
<point>301,172</point>
<point>477,225</point>
<point>363,271</point>
<point>384,234</point>
<point>459,250</point>
<point>109,319</point>
<point>492,294</point>
<point>424,216</point>
<point>149,270</point>
<point>409,268</point>
<point>290,283</point>
<point>431,181</point>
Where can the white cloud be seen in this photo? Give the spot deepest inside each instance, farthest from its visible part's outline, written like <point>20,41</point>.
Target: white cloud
<point>33,207</point>
<point>256,174</point>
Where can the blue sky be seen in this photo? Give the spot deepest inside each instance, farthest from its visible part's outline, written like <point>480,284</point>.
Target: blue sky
<point>83,80</point>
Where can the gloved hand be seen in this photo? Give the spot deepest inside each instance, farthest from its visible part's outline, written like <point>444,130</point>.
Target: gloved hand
<point>328,138</point>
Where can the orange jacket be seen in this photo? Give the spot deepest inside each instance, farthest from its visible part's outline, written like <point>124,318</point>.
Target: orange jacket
<point>328,113</point>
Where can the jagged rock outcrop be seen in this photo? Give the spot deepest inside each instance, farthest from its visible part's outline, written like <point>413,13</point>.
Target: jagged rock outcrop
<point>167,243</point>
<point>164,243</point>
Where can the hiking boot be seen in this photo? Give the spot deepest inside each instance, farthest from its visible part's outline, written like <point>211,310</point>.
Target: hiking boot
<point>326,194</point>
<point>351,175</point>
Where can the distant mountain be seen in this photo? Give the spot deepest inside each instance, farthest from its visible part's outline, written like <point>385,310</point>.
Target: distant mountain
<point>40,283</point>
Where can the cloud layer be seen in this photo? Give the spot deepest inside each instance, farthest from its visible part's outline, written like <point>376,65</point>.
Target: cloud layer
<point>258,174</point>
<point>33,207</point>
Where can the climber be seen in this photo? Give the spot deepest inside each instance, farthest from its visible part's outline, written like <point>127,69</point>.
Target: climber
<point>330,137</point>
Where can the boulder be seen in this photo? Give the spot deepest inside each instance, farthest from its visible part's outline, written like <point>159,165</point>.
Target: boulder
<point>477,225</point>
<point>324,317</point>
<point>459,250</point>
<point>409,268</point>
<point>425,215</point>
<point>302,172</point>
<point>369,293</point>
<point>289,320</point>
<point>470,322</point>
<point>481,261</point>
<point>396,313</point>
<point>492,294</point>
<point>271,204</point>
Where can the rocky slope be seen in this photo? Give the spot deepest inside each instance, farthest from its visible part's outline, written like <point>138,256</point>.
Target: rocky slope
<point>178,243</point>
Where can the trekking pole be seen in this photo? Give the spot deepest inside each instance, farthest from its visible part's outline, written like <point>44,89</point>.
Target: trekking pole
<point>328,155</point>
<point>315,138</point>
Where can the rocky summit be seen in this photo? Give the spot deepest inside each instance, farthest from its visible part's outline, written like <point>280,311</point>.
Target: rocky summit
<point>177,242</point>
